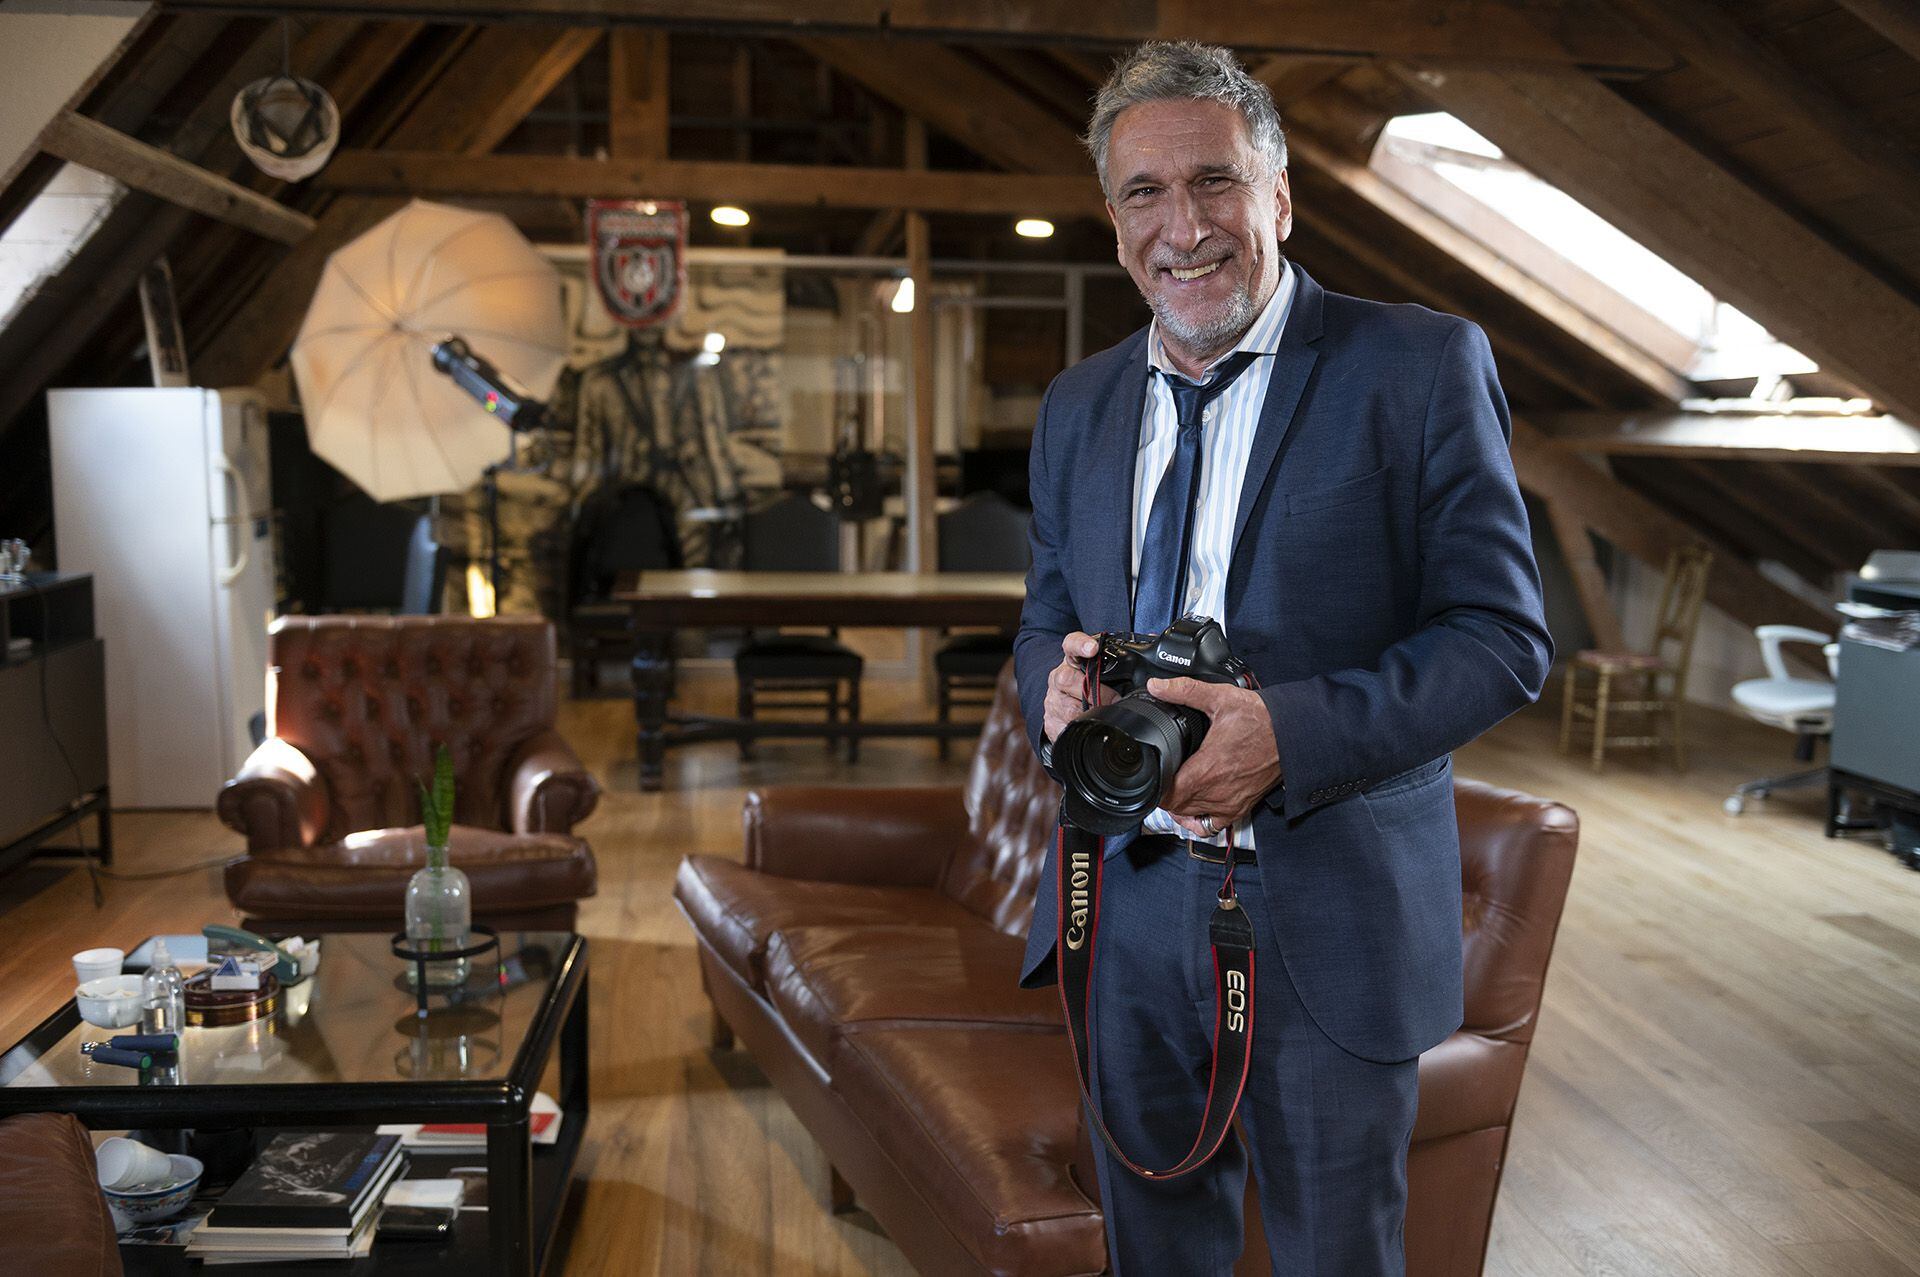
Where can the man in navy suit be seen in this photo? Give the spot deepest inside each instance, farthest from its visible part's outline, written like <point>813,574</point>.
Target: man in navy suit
<point>1351,518</point>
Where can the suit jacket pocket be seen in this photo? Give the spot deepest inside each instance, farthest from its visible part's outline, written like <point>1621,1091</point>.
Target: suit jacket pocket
<point>1367,485</point>
<point>1413,778</point>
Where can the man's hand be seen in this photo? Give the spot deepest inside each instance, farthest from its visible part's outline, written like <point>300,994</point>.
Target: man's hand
<point>1236,766</point>
<point>1067,684</point>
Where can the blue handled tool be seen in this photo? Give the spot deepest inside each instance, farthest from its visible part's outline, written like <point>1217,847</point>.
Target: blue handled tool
<point>158,1043</point>
<point>104,1054</point>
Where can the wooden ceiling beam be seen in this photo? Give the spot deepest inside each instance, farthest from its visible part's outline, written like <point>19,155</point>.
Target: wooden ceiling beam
<point>437,174</point>
<point>1038,76</point>
<point>1708,36</point>
<point>131,162</point>
<point>879,233</point>
<point>1897,20</point>
<point>1710,497</point>
<point>554,64</point>
<point>1894,489</point>
<point>1290,78</point>
<point>638,71</point>
<point>1851,529</point>
<point>1645,530</point>
<point>1483,30</point>
<point>456,113</point>
<point>370,57</point>
<point>64,319</point>
<point>1578,134</point>
<point>1881,441</point>
<point>957,96</point>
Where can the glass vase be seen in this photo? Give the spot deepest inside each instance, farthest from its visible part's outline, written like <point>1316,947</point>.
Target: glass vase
<point>439,919</point>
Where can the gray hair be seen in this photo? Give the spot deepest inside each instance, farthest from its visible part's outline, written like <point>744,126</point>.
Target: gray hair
<point>1162,70</point>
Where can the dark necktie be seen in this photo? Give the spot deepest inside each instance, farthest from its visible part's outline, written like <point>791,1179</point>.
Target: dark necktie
<point>1160,590</point>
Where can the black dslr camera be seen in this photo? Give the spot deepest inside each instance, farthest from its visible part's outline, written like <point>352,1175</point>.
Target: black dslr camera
<point>1117,761</point>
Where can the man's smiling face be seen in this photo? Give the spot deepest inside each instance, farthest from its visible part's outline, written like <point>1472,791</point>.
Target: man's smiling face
<point>1199,218</point>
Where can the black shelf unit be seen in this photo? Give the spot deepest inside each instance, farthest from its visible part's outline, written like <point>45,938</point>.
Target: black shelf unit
<point>53,717</point>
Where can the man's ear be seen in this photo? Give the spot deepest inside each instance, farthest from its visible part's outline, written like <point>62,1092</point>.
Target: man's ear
<point>1283,206</point>
<point>1119,250</point>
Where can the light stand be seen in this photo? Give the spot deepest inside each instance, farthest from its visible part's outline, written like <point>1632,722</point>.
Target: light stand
<point>516,409</point>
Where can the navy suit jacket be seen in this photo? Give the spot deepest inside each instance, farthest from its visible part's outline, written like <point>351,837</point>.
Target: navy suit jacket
<point>1382,587</point>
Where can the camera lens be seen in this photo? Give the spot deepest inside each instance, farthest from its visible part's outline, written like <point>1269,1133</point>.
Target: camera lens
<point>1117,761</point>
<point>1121,754</point>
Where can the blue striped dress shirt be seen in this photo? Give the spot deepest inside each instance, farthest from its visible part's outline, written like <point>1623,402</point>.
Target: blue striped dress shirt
<point>1226,439</point>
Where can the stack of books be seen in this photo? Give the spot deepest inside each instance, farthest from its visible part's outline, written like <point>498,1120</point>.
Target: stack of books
<point>309,1195</point>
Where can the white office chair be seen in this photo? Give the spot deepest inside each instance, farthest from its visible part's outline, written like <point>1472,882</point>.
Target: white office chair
<point>1803,706</point>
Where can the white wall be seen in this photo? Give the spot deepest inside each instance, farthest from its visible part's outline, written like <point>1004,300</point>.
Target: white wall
<point>51,52</point>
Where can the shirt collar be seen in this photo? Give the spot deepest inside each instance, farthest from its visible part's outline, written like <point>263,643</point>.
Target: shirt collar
<point>1263,337</point>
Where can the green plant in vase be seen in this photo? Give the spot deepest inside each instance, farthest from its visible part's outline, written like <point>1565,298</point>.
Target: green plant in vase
<point>439,897</point>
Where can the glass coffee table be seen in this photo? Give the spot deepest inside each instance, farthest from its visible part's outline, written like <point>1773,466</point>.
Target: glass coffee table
<point>347,1049</point>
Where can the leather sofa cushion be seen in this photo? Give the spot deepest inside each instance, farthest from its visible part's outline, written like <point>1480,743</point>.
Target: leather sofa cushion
<point>52,1213</point>
<point>981,1121</point>
<point>823,978</point>
<point>1013,809</point>
<point>365,875</point>
<point>737,909</point>
<point>1468,1083</point>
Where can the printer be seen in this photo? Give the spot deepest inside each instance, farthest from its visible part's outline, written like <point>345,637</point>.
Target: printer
<point>1890,579</point>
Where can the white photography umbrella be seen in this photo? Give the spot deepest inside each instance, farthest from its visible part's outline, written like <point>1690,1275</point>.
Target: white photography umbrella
<point>376,408</point>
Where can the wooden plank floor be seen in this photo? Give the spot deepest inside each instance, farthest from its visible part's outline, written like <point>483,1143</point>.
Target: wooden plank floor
<point>1723,1081</point>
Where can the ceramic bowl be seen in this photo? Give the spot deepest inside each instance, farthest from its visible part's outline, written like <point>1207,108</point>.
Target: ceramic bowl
<point>153,1202</point>
<point>111,1003</point>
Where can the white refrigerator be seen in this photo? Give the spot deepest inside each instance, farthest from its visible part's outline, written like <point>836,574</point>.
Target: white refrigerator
<point>163,495</point>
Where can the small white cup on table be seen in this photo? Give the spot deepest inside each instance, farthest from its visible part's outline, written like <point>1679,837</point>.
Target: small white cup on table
<point>95,964</point>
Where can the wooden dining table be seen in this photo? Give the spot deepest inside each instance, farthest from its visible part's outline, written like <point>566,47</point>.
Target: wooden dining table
<point>662,603</point>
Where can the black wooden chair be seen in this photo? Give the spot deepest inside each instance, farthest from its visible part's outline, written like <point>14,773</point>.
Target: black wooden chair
<point>796,671</point>
<point>628,528</point>
<point>987,533</point>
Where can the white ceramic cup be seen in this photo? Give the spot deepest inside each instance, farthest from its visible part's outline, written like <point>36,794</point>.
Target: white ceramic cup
<point>92,964</point>
<point>126,1163</point>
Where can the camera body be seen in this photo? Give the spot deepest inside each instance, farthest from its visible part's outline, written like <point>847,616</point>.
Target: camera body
<point>1192,647</point>
<point>1117,761</point>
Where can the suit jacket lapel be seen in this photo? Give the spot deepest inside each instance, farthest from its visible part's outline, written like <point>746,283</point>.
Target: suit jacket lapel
<point>1291,367</point>
<point>1111,452</point>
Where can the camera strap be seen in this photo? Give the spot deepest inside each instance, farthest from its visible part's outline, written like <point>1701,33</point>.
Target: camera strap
<point>1077,877</point>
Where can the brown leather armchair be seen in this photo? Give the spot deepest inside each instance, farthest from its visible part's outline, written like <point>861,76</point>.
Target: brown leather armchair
<point>329,802</point>
<point>53,1216</point>
<point>866,951</point>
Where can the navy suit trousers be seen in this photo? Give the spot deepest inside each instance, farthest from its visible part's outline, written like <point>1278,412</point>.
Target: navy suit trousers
<point>1327,1132</point>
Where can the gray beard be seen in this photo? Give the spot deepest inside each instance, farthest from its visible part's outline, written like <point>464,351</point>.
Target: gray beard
<point>1210,336</point>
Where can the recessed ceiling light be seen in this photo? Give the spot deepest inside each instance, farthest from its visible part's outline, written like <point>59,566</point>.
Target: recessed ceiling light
<point>1033,227</point>
<point>728,215</point>
<point>902,302</point>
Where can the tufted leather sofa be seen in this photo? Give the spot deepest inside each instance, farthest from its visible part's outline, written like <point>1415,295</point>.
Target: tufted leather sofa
<point>866,952</point>
<point>356,706</point>
<point>53,1216</point>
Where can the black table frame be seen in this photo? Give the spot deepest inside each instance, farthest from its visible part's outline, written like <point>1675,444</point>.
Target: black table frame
<point>503,1105</point>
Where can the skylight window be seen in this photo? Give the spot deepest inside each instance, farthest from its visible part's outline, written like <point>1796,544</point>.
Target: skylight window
<point>49,231</point>
<point>1603,271</point>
